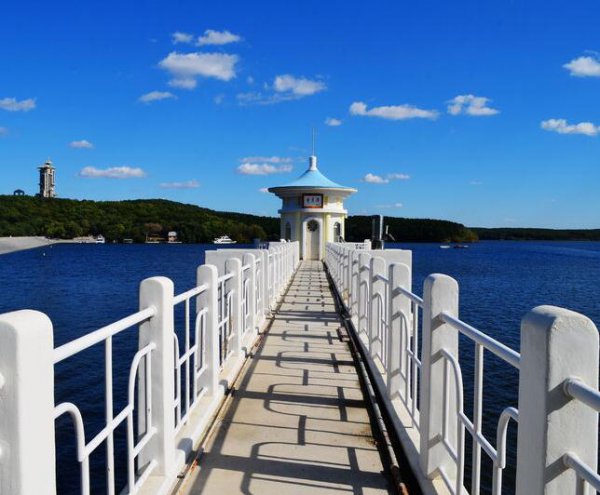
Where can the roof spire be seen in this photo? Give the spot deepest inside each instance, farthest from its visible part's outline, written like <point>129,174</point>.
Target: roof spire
<point>312,161</point>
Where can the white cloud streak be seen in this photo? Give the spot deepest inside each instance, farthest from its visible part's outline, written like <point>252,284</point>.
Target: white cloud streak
<point>264,190</point>
<point>379,179</point>
<point>156,96</point>
<point>266,159</point>
<point>81,144</point>
<point>374,179</point>
<point>333,122</point>
<point>13,105</point>
<point>284,88</point>
<point>393,205</point>
<point>262,169</point>
<point>185,83</point>
<point>188,184</point>
<point>186,66</point>
<point>584,67</point>
<point>562,127</point>
<point>475,106</point>
<point>123,172</point>
<point>179,37</point>
<point>392,112</point>
<point>212,37</point>
<point>397,176</point>
<point>299,86</point>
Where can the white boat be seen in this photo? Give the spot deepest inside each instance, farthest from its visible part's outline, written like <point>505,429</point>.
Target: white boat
<point>444,246</point>
<point>224,239</point>
<point>100,239</point>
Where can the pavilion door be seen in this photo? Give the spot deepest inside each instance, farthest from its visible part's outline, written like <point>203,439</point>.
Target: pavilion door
<point>313,241</point>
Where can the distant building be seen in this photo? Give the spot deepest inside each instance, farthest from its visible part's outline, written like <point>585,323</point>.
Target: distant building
<point>47,180</point>
<point>19,192</point>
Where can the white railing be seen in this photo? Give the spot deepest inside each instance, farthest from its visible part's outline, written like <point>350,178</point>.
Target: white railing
<point>558,403</point>
<point>175,379</point>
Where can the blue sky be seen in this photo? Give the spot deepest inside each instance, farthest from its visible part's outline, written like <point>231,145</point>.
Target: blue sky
<point>486,113</point>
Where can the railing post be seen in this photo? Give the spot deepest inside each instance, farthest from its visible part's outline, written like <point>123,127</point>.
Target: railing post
<point>354,285</point>
<point>556,344</point>
<point>399,330</point>
<point>26,404</point>
<point>234,266</point>
<point>249,259</point>
<point>264,272</point>
<point>377,309</point>
<point>440,294</point>
<point>362,313</point>
<point>207,274</point>
<point>158,292</point>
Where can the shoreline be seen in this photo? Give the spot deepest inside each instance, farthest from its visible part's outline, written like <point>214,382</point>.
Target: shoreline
<point>14,244</point>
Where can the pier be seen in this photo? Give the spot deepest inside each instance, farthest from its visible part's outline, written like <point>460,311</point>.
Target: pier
<point>273,374</point>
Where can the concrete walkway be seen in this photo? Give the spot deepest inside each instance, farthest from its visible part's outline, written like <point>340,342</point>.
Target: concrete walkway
<point>298,423</point>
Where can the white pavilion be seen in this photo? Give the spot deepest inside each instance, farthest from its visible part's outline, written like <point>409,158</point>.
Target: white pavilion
<point>312,211</point>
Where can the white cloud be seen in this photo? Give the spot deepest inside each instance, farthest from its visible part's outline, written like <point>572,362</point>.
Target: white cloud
<point>184,83</point>
<point>379,179</point>
<point>392,112</point>
<point>124,172</point>
<point>476,106</point>
<point>250,80</point>
<point>285,88</point>
<point>374,179</point>
<point>266,159</point>
<point>298,86</point>
<point>188,184</point>
<point>264,190</point>
<point>12,105</point>
<point>185,66</point>
<point>212,37</point>
<point>262,169</point>
<point>562,127</point>
<point>180,37</point>
<point>393,205</point>
<point>3,131</point>
<point>584,67</point>
<point>333,122</point>
<point>398,176</point>
<point>83,143</point>
<point>218,99</point>
<point>156,96</point>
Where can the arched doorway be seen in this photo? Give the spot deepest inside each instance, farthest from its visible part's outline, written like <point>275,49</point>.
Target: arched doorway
<point>312,242</point>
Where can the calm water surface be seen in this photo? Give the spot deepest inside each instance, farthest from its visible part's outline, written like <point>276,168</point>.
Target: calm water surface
<point>83,287</point>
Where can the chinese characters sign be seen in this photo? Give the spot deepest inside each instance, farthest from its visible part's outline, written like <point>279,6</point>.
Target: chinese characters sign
<point>312,201</point>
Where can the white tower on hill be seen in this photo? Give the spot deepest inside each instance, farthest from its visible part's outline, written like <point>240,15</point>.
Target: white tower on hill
<point>47,184</point>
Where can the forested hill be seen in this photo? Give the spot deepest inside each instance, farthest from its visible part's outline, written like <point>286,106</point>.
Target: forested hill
<point>358,228</point>
<point>135,219</point>
<point>531,234</point>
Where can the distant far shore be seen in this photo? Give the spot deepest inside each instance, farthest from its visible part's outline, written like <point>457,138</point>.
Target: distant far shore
<point>12,244</point>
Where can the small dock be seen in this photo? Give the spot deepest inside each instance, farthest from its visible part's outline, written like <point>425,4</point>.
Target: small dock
<point>297,422</point>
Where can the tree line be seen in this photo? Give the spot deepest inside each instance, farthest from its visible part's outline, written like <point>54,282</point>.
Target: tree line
<point>138,219</point>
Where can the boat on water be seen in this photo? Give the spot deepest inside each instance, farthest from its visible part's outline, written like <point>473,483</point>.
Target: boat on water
<point>454,246</point>
<point>224,239</point>
<point>100,239</point>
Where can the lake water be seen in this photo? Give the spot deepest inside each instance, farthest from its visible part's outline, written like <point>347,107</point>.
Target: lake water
<point>83,287</point>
